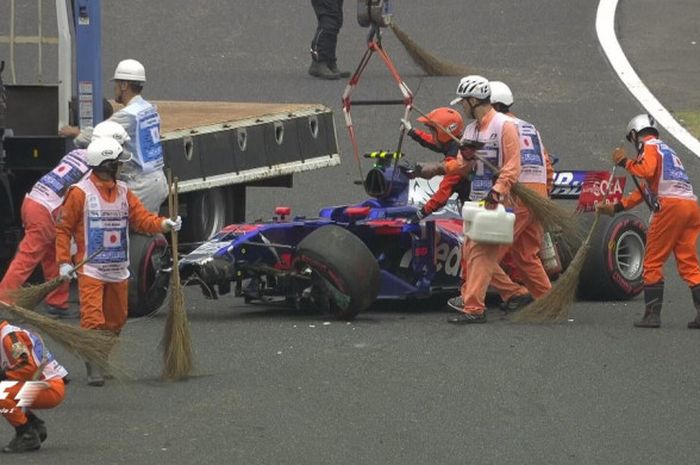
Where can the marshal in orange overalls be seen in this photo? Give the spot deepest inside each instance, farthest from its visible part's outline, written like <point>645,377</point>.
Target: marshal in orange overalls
<point>439,141</point>
<point>673,228</point>
<point>536,174</point>
<point>103,284</point>
<point>40,209</point>
<point>23,357</point>
<point>480,262</point>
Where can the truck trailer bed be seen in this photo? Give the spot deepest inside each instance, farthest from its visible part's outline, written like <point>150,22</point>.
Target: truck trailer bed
<point>214,144</point>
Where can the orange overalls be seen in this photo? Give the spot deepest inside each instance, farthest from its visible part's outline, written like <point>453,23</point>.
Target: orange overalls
<point>480,262</point>
<point>37,246</point>
<point>675,227</point>
<point>22,355</point>
<point>528,232</point>
<point>449,183</point>
<point>103,302</point>
<point>40,209</point>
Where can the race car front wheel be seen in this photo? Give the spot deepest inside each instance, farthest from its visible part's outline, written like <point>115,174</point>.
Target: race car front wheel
<point>343,262</point>
<point>614,264</point>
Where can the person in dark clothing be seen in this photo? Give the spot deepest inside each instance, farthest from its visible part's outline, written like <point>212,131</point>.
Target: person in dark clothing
<point>329,14</point>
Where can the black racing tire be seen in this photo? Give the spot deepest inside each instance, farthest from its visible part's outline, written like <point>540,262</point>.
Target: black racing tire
<point>148,287</point>
<point>346,262</point>
<point>614,264</point>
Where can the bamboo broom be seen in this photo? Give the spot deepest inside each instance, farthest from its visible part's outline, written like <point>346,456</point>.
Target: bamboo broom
<point>554,306</point>
<point>29,297</point>
<point>177,346</point>
<point>551,216</point>
<point>92,345</point>
<point>432,65</point>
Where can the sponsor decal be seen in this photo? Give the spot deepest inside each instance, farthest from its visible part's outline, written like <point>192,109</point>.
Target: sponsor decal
<point>597,189</point>
<point>24,397</point>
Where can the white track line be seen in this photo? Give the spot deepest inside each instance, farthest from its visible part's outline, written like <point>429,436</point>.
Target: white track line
<point>605,28</point>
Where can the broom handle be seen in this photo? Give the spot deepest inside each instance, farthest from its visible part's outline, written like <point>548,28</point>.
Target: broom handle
<point>172,212</point>
<point>170,192</point>
<point>490,165</point>
<point>88,258</point>
<point>175,213</point>
<point>176,257</point>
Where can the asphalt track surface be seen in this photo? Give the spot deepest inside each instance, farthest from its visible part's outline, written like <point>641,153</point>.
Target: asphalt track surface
<point>399,385</point>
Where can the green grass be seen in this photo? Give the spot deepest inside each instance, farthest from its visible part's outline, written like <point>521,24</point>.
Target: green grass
<point>691,121</point>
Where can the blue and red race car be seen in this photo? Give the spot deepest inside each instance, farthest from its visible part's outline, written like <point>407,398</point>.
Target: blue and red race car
<point>352,255</point>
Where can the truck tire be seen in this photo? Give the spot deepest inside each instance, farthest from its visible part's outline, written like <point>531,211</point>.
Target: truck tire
<point>614,265</point>
<point>207,212</point>
<point>148,286</point>
<point>345,261</point>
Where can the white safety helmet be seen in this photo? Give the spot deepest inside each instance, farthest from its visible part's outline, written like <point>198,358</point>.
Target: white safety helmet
<point>500,93</point>
<point>472,86</point>
<point>130,70</point>
<point>639,123</point>
<point>105,149</point>
<point>111,129</point>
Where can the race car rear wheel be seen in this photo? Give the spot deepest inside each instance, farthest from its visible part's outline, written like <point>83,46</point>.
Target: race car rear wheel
<point>614,265</point>
<point>148,286</point>
<point>344,261</point>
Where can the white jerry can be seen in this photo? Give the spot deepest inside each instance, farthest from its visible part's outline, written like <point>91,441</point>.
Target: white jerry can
<point>488,226</point>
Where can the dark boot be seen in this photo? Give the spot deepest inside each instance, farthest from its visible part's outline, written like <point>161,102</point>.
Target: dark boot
<point>653,299</point>
<point>695,291</point>
<point>321,70</point>
<point>467,318</point>
<point>516,302</point>
<point>38,424</point>
<point>26,439</point>
<point>63,313</point>
<point>333,66</point>
<point>94,375</point>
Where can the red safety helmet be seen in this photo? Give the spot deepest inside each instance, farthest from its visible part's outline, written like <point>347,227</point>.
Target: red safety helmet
<point>447,118</point>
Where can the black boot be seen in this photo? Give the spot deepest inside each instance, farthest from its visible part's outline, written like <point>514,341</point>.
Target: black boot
<point>26,439</point>
<point>321,70</point>
<point>94,375</point>
<point>38,425</point>
<point>695,291</point>
<point>333,66</point>
<point>516,302</point>
<point>467,318</point>
<point>653,299</point>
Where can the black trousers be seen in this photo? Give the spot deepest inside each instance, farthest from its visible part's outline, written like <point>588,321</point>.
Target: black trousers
<point>329,14</point>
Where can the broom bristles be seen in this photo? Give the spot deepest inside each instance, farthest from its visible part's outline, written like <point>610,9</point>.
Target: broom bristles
<point>428,62</point>
<point>554,306</point>
<point>551,216</point>
<point>177,345</point>
<point>177,353</point>
<point>92,345</point>
<point>30,296</point>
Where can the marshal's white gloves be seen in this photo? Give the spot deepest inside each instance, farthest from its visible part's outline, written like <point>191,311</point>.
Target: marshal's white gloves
<point>66,271</point>
<point>172,225</point>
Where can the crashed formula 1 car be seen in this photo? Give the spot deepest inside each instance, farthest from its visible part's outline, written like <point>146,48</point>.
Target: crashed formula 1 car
<point>352,255</point>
